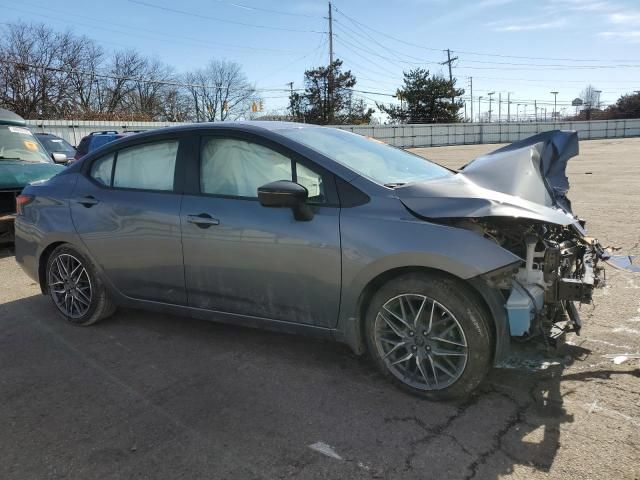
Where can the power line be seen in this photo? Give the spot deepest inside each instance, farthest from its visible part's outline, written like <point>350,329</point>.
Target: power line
<point>266,10</point>
<point>174,83</point>
<point>218,19</point>
<point>470,52</point>
<point>132,30</point>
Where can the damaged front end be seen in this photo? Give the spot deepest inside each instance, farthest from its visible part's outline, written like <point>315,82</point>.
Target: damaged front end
<point>516,197</point>
<point>560,270</point>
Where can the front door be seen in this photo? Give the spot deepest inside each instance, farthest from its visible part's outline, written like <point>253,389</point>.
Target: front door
<point>243,258</point>
<point>127,214</point>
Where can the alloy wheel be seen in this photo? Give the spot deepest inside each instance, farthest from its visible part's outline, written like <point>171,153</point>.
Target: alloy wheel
<point>70,285</point>
<point>421,342</point>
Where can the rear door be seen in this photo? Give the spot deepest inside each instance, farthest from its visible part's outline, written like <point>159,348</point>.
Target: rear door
<point>126,210</point>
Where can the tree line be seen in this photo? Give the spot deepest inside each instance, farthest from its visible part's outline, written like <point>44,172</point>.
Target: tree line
<point>47,74</point>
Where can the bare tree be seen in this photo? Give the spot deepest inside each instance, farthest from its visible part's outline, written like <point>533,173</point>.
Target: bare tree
<point>590,97</point>
<point>32,78</point>
<point>149,90</point>
<point>220,91</point>
<point>46,74</point>
<point>84,80</point>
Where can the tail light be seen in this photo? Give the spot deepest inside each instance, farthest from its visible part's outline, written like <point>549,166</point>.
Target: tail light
<point>22,201</point>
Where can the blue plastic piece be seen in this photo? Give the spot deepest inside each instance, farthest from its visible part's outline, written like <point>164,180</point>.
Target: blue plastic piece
<point>521,309</point>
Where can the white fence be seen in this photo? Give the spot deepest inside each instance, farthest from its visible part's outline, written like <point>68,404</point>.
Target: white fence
<point>405,136</point>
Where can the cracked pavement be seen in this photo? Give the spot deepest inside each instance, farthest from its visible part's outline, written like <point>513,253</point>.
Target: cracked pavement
<point>145,395</point>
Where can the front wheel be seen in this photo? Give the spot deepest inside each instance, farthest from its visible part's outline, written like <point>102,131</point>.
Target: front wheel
<point>428,333</point>
<point>75,289</point>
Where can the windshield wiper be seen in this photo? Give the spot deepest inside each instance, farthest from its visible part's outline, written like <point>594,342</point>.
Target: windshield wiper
<point>2,157</point>
<point>394,184</point>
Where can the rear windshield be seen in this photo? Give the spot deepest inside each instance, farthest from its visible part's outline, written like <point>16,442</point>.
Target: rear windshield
<point>18,143</point>
<point>370,158</point>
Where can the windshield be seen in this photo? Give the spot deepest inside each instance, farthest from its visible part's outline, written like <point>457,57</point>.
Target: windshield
<point>17,143</point>
<point>56,144</point>
<point>370,158</point>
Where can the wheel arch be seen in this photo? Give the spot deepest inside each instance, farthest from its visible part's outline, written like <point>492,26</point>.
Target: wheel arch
<point>486,298</point>
<point>43,259</point>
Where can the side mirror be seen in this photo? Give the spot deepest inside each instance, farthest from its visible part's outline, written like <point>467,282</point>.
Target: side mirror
<point>59,157</point>
<point>287,194</point>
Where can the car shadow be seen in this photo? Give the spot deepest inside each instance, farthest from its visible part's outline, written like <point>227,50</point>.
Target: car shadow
<point>6,250</point>
<point>181,391</point>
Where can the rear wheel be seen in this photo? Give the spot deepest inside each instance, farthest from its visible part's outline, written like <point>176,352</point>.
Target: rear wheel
<point>75,289</point>
<point>429,334</point>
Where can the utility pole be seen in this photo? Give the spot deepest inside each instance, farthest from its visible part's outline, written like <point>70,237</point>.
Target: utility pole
<point>535,107</point>
<point>555,113</point>
<point>499,107</point>
<point>490,97</point>
<point>330,78</point>
<point>517,112</point>
<point>471,88</point>
<point>448,62</point>
<point>479,117</point>
<point>465,111</point>
<point>508,107</point>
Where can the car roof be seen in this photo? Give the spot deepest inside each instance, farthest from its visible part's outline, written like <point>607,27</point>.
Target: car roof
<point>9,118</point>
<point>245,126</point>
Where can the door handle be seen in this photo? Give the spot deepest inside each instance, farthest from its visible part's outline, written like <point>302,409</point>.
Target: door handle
<point>203,220</point>
<point>88,201</point>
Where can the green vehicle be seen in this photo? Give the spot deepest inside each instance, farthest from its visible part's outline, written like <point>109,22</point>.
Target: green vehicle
<point>23,160</point>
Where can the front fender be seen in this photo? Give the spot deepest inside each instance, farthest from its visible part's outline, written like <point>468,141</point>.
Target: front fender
<point>373,245</point>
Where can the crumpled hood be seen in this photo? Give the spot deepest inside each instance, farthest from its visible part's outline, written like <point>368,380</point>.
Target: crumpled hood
<point>18,174</point>
<point>526,179</point>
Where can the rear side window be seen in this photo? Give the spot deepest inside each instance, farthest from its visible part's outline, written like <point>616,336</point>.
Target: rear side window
<point>101,170</point>
<point>150,166</point>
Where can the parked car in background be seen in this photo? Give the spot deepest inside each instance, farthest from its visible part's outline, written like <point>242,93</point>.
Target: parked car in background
<point>22,160</point>
<point>302,228</point>
<point>60,150</point>
<point>95,140</point>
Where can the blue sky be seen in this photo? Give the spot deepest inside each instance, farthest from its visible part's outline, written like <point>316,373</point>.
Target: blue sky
<point>528,48</point>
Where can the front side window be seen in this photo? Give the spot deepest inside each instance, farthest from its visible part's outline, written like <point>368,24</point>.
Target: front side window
<point>238,168</point>
<point>149,167</point>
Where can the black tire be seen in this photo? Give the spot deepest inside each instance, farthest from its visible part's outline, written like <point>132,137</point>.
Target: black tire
<point>89,307</point>
<point>459,332</point>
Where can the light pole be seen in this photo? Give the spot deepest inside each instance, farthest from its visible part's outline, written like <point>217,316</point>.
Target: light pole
<point>555,104</point>
<point>489,95</point>
<point>597,92</point>
<point>525,112</point>
<point>517,112</point>
<point>479,116</point>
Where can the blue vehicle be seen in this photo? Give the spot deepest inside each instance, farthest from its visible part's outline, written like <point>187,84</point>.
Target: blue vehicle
<point>95,140</point>
<point>301,228</point>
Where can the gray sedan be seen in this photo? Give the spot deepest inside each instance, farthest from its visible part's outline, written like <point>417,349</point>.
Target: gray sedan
<point>314,230</point>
